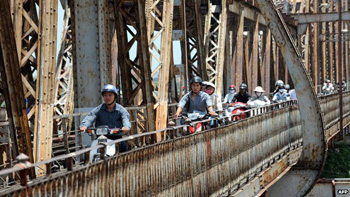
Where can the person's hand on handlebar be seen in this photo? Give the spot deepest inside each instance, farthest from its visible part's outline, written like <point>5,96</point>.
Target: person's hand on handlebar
<point>82,129</point>
<point>124,130</point>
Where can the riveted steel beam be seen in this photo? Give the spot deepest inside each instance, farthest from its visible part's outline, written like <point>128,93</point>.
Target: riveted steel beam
<point>307,18</point>
<point>311,163</point>
<point>12,85</point>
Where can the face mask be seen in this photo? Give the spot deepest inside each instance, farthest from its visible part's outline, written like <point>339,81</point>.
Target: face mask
<point>258,94</point>
<point>281,90</point>
<point>210,92</point>
<point>232,91</point>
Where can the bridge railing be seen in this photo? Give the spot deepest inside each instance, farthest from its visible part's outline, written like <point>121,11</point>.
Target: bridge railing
<point>330,110</point>
<point>198,164</point>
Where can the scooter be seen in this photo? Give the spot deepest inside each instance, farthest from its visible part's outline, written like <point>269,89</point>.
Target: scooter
<point>95,154</point>
<point>235,109</point>
<point>194,117</point>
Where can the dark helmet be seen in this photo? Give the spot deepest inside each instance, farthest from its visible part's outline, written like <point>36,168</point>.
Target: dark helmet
<point>196,79</point>
<point>243,86</point>
<point>110,88</point>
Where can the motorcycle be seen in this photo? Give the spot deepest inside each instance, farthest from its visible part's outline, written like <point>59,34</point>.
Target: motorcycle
<point>194,117</point>
<point>235,109</point>
<point>95,154</point>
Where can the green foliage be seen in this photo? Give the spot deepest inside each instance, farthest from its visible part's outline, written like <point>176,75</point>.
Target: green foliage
<point>338,162</point>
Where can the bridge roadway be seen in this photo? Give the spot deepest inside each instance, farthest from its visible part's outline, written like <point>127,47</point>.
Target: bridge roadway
<point>242,158</point>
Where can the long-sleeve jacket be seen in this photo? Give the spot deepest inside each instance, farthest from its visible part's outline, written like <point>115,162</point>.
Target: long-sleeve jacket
<point>117,118</point>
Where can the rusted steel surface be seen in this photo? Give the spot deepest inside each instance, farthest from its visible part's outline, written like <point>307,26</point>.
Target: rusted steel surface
<point>314,142</point>
<point>212,162</point>
<point>12,84</point>
<point>330,109</point>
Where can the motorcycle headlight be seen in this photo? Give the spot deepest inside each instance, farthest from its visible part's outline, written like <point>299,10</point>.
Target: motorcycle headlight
<point>101,131</point>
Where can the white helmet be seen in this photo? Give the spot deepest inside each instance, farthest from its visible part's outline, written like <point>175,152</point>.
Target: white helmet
<point>259,89</point>
<point>279,83</point>
<point>211,85</point>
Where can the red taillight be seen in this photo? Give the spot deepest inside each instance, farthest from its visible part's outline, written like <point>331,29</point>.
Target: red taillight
<point>115,131</point>
<point>90,131</point>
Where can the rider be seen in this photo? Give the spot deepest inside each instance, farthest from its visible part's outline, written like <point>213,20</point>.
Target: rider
<point>231,94</point>
<point>277,85</point>
<point>195,99</point>
<point>259,96</point>
<point>214,97</point>
<point>328,87</point>
<point>242,96</point>
<point>111,114</point>
<point>204,86</point>
<point>281,95</point>
<point>291,92</point>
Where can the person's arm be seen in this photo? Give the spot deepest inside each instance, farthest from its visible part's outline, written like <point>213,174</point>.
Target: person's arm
<point>181,105</point>
<point>178,112</point>
<point>225,99</point>
<point>267,100</point>
<point>274,98</point>
<point>209,103</point>
<point>234,99</point>
<point>89,119</point>
<point>126,120</point>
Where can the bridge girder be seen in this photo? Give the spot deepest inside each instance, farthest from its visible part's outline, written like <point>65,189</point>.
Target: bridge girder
<point>313,157</point>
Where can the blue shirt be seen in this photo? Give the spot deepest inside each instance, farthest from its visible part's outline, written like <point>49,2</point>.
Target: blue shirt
<point>117,118</point>
<point>278,97</point>
<point>201,103</point>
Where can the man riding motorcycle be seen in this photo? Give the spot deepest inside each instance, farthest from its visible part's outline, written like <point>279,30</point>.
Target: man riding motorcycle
<point>195,100</point>
<point>242,96</point>
<point>110,114</point>
<point>259,99</point>
<point>328,87</point>
<point>281,95</point>
<point>277,85</point>
<point>231,94</point>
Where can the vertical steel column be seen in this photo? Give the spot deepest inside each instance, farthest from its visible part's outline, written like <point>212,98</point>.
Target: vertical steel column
<point>331,60</point>
<point>340,70</point>
<point>91,55</point>
<point>238,57</point>
<point>46,81</point>
<point>315,71</point>
<point>165,58</point>
<point>11,76</point>
<point>254,56</point>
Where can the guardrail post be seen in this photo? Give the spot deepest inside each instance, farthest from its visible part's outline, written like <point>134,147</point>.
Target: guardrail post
<point>23,161</point>
<point>65,134</point>
<point>102,140</point>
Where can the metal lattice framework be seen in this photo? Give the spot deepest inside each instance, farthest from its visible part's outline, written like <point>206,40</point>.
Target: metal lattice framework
<point>35,24</point>
<point>214,43</point>
<point>192,43</point>
<point>130,21</point>
<point>64,103</point>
